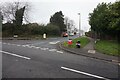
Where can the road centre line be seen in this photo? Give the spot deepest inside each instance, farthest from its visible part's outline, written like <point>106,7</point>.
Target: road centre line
<point>16,55</point>
<point>80,72</point>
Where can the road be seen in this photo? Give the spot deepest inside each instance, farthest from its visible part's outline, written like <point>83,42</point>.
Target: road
<point>43,59</point>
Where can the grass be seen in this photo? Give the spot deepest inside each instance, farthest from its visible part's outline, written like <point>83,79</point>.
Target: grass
<point>83,40</point>
<point>108,47</point>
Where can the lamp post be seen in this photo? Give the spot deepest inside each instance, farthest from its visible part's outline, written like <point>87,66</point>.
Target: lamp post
<point>79,24</point>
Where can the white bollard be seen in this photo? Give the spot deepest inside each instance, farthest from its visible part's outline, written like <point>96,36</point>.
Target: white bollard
<point>44,36</point>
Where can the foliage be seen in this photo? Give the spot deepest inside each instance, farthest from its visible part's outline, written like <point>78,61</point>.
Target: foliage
<point>31,29</point>
<point>18,20</point>
<point>52,29</point>
<point>105,19</point>
<point>58,20</point>
<point>8,10</point>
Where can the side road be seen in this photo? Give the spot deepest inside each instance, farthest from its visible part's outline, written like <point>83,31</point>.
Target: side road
<point>89,51</point>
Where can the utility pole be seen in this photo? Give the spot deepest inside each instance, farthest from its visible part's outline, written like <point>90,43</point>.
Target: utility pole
<point>79,24</point>
<point>68,25</point>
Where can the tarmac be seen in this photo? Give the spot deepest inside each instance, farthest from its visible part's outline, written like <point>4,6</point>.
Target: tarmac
<point>89,51</point>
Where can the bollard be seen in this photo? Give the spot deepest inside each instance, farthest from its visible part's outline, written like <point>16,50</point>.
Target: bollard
<point>44,36</point>
<point>78,44</point>
<point>70,42</point>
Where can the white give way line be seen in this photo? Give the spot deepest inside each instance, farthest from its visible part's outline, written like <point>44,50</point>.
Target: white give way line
<point>54,42</point>
<point>16,55</point>
<point>88,74</point>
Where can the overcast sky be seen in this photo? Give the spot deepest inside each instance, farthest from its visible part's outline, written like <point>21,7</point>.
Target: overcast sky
<point>42,10</point>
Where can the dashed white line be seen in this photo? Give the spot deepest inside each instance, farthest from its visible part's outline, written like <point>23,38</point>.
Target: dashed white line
<point>16,55</point>
<point>54,42</point>
<point>52,49</point>
<point>80,72</point>
<point>43,48</point>
<point>37,47</point>
<point>32,46</point>
<point>59,51</point>
<point>4,43</point>
<point>29,47</point>
<point>18,45</point>
<point>8,43</point>
<point>23,45</point>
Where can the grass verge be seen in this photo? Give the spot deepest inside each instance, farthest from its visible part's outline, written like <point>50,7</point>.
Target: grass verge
<point>83,40</point>
<point>108,47</point>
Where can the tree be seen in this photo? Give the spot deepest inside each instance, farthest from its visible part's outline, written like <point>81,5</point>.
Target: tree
<point>18,20</point>
<point>8,10</point>
<point>98,19</point>
<point>14,13</point>
<point>105,19</point>
<point>58,20</point>
<point>52,30</point>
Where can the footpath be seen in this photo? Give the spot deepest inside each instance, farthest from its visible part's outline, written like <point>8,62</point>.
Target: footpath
<point>89,51</point>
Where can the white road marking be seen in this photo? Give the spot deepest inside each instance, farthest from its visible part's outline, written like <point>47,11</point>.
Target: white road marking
<point>54,42</point>
<point>18,45</point>
<point>29,46</point>
<point>32,46</point>
<point>16,55</point>
<point>91,51</point>
<point>52,49</point>
<point>8,43</point>
<point>88,74</point>
<point>23,45</point>
<point>26,45</point>
<point>46,48</point>
<point>59,51</point>
<point>4,43</point>
<point>37,47</point>
<point>43,48</point>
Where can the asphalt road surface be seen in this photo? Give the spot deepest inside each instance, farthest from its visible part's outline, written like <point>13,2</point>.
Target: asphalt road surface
<point>43,59</point>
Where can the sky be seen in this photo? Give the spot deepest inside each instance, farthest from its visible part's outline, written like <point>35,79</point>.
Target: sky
<point>42,10</point>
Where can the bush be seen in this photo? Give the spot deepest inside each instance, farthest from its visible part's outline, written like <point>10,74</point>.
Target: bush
<point>52,29</point>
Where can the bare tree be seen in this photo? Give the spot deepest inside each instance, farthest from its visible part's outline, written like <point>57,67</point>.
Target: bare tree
<point>69,24</point>
<point>8,10</point>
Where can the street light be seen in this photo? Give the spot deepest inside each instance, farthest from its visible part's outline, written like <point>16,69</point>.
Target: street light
<point>79,24</point>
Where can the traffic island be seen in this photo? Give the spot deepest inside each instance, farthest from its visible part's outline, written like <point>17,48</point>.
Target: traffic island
<point>85,52</point>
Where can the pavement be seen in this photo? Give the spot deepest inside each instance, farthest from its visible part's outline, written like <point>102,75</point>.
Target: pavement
<point>89,51</point>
